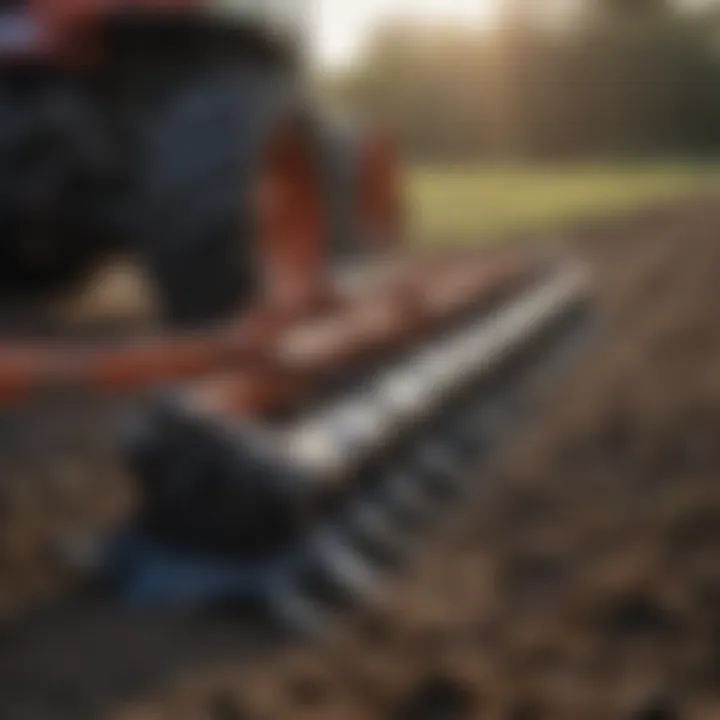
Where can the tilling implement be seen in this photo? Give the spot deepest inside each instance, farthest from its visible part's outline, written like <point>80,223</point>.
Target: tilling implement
<point>317,394</point>
<point>293,461</point>
<point>302,499</point>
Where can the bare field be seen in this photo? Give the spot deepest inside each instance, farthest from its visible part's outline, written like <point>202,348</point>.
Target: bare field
<point>584,582</point>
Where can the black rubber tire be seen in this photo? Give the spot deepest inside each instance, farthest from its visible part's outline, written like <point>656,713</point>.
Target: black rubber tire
<point>53,158</point>
<point>203,150</point>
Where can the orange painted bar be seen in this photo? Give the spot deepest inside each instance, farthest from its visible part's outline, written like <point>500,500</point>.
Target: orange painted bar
<point>339,328</point>
<point>347,339</point>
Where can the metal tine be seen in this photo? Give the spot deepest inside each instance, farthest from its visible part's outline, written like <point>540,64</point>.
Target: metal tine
<point>469,442</point>
<point>344,568</point>
<point>441,469</point>
<point>409,503</point>
<point>371,528</point>
<point>296,611</point>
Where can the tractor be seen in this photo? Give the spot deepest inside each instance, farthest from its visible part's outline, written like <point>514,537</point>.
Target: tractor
<point>183,133</point>
<point>319,391</point>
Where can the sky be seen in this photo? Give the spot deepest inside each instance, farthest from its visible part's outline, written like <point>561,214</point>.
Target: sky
<point>342,26</point>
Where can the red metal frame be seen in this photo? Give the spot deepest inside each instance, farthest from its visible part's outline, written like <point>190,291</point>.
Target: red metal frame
<point>272,356</point>
<point>264,360</point>
<point>290,218</point>
<point>358,330</point>
<point>381,192</point>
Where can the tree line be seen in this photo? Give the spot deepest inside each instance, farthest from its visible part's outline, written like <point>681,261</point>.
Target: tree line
<point>610,79</point>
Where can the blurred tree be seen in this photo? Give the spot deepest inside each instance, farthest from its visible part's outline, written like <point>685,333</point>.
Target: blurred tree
<point>616,78</point>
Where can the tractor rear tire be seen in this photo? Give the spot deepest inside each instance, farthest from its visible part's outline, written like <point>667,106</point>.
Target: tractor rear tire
<point>53,167</point>
<point>204,150</point>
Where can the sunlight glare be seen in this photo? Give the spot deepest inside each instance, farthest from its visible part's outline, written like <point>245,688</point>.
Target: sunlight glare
<point>343,26</point>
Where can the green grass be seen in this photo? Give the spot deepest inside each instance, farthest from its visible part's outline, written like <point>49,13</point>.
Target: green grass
<point>463,204</point>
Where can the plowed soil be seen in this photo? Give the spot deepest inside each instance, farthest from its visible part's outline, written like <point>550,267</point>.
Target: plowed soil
<point>583,581</point>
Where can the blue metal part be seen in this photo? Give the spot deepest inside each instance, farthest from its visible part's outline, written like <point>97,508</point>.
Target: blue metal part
<point>146,574</point>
